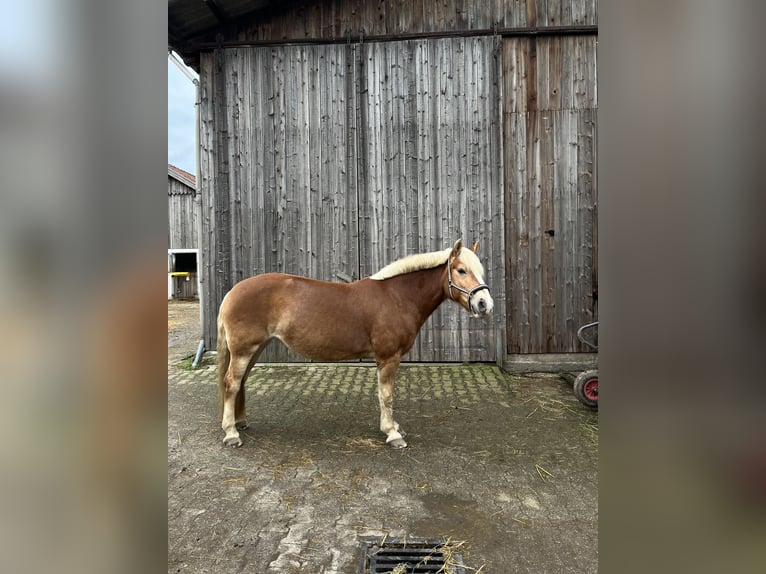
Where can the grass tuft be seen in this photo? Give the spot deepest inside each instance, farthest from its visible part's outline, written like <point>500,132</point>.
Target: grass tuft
<point>186,364</point>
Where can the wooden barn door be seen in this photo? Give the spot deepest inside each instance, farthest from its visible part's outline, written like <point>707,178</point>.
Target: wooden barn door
<point>430,172</point>
<point>278,142</point>
<point>331,161</point>
<point>549,105</point>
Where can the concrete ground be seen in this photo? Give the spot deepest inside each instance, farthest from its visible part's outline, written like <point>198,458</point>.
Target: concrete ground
<point>506,464</point>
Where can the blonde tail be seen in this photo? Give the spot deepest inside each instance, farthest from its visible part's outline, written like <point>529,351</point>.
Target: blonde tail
<point>224,357</point>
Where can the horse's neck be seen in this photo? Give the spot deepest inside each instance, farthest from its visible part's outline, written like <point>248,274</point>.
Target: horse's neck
<point>424,290</point>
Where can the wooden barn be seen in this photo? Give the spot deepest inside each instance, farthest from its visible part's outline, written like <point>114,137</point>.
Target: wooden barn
<point>337,136</point>
<point>183,235</point>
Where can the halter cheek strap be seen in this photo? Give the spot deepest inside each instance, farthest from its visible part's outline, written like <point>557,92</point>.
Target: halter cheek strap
<point>471,293</point>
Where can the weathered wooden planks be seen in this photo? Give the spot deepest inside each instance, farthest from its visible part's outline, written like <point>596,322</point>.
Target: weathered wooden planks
<point>287,199</point>
<point>183,219</point>
<point>341,18</point>
<point>321,159</point>
<point>430,171</point>
<point>549,139</point>
<point>339,159</point>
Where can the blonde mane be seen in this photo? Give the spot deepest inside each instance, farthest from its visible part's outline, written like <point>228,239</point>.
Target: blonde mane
<point>422,261</point>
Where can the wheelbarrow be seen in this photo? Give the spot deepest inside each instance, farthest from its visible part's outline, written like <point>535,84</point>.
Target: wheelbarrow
<point>586,384</point>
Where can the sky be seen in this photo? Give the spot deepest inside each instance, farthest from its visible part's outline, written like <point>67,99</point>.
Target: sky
<point>31,57</point>
<point>181,94</point>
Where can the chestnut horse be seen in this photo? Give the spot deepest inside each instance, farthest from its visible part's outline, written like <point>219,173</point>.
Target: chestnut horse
<point>377,317</point>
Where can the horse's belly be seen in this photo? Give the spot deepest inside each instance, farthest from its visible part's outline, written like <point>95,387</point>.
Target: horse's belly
<point>326,346</point>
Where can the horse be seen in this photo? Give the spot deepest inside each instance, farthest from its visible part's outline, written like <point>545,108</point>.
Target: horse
<point>375,317</point>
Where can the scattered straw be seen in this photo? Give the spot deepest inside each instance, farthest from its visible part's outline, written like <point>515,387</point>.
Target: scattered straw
<point>423,486</point>
<point>550,407</point>
<point>414,459</point>
<point>236,480</point>
<point>294,461</point>
<point>364,442</point>
<point>540,470</point>
<point>520,521</point>
<point>450,550</point>
<point>591,431</point>
<point>288,501</point>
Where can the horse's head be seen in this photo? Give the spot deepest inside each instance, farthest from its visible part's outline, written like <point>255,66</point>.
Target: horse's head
<point>465,276</point>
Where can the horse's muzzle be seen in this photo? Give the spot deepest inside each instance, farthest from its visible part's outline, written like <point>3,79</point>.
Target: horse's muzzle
<point>482,303</point>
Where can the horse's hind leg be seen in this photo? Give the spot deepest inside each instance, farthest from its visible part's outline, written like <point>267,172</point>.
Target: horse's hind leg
<point>240,416</point>
<point>234,399</point>
<point>386,377</point>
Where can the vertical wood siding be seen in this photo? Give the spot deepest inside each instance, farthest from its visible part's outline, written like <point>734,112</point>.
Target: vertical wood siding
<point>288,200</point>
<point>319,159</point>
<point>431,171</point>
<point>340,158</point>
<point>183,220</point>
<point>549,139</point>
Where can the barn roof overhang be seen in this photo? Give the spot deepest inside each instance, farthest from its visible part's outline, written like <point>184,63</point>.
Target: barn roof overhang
<point>192,23</point>
<point>195,26</point>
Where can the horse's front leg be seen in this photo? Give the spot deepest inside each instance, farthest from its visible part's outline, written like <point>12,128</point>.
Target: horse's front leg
<point>386,377</point>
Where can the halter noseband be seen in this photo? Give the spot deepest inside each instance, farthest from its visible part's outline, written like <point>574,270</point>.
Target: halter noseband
<point>471,293</point>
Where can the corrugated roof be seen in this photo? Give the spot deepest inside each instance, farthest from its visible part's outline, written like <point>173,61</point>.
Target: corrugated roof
<point>183,176</point>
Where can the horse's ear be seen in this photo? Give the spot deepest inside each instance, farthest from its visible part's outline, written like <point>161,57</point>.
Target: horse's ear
<point>457,247</point>
<point>475,247</point>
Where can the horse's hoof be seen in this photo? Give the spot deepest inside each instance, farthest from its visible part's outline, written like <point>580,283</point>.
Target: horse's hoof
<point>395,440</point>
<point>397,443</point>
<point>241,425</point>
<point>234,441</point>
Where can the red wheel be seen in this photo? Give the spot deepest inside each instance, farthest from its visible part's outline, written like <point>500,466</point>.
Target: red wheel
<point>586,388</point>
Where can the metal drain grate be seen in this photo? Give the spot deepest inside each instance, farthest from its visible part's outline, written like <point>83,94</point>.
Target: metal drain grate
<point>410,556</point>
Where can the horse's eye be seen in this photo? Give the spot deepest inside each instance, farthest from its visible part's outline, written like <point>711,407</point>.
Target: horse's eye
<point>462,271</point>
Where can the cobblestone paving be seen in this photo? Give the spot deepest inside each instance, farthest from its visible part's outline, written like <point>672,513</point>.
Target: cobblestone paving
<point>506,463</point>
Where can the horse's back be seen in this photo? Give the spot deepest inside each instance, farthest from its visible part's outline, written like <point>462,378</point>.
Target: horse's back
<point>318,319</point>
<point>281,290</point>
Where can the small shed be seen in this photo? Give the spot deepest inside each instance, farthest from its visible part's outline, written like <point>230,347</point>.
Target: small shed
<point>338,136</point>
<point>183,235</point>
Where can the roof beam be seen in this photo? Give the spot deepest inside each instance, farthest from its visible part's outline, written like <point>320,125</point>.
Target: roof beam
<point>578,30</point>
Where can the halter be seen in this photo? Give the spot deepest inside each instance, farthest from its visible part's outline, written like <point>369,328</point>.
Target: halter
<point>471,293</point>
